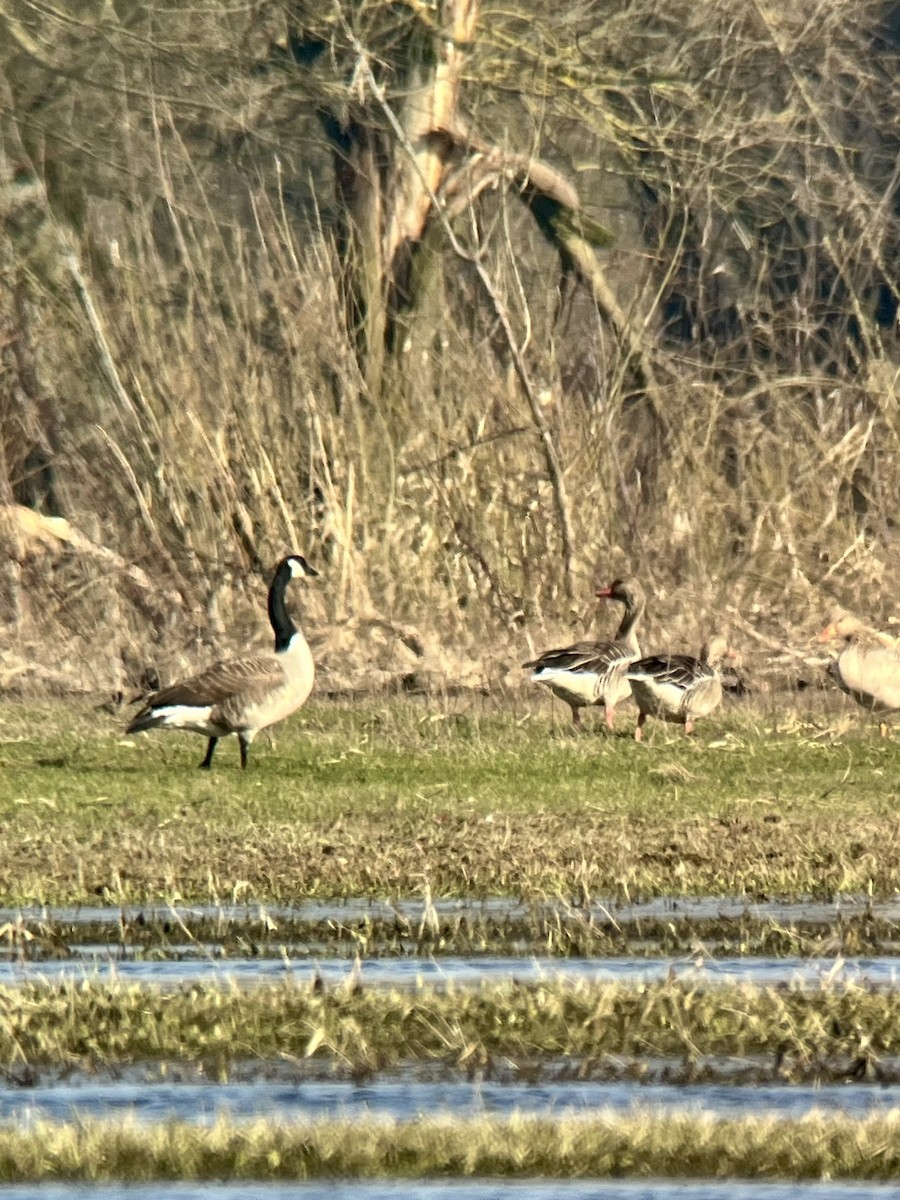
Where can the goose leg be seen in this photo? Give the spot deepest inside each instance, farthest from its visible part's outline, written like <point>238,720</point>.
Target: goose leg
<point>610,714</point>
<point>639,728</point>
<point>245,750</point>
<point>688,727</point>
<point>210,750</point>
<point>576,716</point>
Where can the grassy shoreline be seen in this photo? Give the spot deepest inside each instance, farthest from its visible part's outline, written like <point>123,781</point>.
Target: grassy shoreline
<point>400,800</point>
<point>816,1146</point>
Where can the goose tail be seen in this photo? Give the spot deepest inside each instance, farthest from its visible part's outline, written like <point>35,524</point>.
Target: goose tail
<point>172,716</point>
<point>147,718</point>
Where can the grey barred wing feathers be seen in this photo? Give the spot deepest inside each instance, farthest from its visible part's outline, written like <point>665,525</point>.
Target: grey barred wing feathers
<point>587,673</point>
<point>677,670</point>
<point>677,687</point>
<point>582,656</point>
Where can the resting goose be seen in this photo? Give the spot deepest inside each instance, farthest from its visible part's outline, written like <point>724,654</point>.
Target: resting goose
<point>868,666</point>
<point>594,672</point>
<point>242,695</point>
<point>677,687</point>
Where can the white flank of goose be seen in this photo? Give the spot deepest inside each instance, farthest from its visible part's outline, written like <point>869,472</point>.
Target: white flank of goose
<point>594,672</point>
<point>242,695</point>
<point>867,667</point>
<point>677,687</point>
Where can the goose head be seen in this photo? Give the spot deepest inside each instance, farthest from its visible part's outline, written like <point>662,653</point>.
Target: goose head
<point>295,566</point>
<point>627,591</point>
<point>841,626</point>
<point>716,650</point>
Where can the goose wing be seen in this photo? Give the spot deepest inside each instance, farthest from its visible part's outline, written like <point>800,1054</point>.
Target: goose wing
<point>590,657</point>
<point>678,685</point>
<point>675,670</point>
<point>246,677</point>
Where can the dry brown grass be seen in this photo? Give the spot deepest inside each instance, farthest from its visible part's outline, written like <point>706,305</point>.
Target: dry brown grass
<point>212,412</point>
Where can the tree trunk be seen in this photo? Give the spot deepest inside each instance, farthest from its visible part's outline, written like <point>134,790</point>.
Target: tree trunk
<point>385,189</point>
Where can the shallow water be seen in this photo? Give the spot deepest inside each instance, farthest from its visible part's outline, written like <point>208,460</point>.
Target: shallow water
<point>453,970</point>
<point>358,909</point>
<point>489,1189</point>
<point>405,1099</point>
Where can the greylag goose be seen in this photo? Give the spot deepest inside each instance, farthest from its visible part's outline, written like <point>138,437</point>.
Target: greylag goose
<point>242,695</point>
<point>868,666</point>
<point>677,687</point>
<point>594,672</point>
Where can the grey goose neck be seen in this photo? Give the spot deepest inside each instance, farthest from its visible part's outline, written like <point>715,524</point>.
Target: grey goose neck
<point>634,608</point>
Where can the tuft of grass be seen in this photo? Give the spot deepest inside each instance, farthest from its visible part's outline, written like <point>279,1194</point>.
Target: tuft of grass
<point>639,1145</point>
<point>394,799</point>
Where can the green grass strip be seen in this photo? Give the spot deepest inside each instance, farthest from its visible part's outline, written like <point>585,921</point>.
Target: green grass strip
<point>388,800</point>
<point>686,1146</point>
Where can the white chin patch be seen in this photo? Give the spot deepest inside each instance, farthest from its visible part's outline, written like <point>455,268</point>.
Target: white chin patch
<point>297,571</point>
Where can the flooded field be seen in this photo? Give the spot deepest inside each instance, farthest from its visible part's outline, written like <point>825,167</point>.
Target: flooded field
<point>640,976</point>
<point>420,948</point>
<point>163,947</point>
<point>415,910</point>
<point>423,949</point>
<point>412,943</point>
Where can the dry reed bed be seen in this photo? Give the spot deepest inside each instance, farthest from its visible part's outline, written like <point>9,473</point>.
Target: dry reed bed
<point>218,411</point>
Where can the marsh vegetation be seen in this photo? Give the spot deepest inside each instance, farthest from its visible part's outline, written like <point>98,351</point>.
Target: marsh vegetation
<point>618,299</point>
<point>417,814</point>
<point>476,306</point>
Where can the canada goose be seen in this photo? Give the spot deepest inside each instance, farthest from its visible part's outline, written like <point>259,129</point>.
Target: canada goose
<point>242,695</point>
<point>868,666</point>
<point>594,672</point>
<point>677,687</point>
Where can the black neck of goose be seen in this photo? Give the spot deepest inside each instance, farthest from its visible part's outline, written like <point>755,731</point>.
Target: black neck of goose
<point>633,610</point>
<point>282,625</point>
